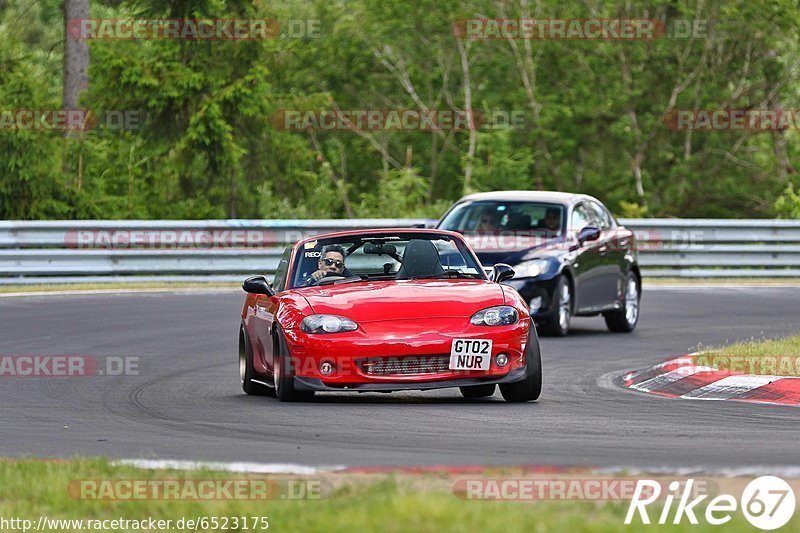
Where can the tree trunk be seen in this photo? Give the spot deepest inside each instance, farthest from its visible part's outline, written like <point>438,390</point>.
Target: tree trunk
<point>637,173</point>
<point>232,196</point>
<point>76,54</point>
<point>434,161</point>
<point>464,53</point>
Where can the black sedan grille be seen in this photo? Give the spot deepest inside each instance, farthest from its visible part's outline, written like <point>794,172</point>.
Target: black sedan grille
<point>407,365</point>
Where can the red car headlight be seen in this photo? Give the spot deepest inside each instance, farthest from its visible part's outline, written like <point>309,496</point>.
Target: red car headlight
<point>327,324</point>
<point>502,315</point>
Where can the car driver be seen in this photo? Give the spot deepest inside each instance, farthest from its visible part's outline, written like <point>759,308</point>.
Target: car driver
<point>331,260</point>
<point>489,221</point>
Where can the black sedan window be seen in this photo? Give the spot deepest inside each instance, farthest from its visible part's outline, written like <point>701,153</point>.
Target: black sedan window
<point>601,217</point>
<point>581,218</point>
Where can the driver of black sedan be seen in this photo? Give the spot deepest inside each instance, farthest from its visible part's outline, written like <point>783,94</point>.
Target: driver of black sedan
<point>331,262</point>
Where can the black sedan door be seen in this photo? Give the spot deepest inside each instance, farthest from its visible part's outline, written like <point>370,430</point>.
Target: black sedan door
<point>612,255</point>
<point>588,263</point>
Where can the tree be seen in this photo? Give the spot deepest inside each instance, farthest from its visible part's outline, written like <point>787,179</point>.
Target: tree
<point>76,53</point>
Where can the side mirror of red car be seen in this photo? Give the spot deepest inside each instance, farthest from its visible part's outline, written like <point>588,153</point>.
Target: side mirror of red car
<point>502,272</point>
<point>257,285</point>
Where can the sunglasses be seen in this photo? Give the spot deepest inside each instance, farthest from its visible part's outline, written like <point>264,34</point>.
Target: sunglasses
<point>331,262</point>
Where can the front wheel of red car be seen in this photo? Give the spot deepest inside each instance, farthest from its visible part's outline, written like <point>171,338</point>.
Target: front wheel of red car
<point>530,388</point>
<point>283,373</point>
<point>247,372</point>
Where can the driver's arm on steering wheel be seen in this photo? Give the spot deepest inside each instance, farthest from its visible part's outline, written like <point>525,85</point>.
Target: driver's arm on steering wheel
<point>317,275</point>
<point>314,278</point>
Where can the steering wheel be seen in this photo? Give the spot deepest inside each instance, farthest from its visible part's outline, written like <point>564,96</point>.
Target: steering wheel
<point>332,276</point>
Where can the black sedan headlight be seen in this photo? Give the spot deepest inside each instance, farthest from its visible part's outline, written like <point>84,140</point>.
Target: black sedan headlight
<point>531,269</point>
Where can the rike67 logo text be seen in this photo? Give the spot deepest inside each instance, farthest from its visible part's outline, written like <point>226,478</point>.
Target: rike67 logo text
<point>767,502</point>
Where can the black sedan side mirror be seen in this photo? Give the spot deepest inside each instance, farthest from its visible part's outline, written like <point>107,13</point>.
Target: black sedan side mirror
<point>502,272</point>
<point>588,234</point>
<point>257,285</point>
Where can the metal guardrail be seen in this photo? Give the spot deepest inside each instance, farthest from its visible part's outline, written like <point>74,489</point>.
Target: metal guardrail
<point>227,250</point>
<point>159,250</point>
<point>717,248</point>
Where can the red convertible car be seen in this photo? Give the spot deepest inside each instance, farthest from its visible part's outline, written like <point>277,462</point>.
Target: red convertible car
<point>386,310</point>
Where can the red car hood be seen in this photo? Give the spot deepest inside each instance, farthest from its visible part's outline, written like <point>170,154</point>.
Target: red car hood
<point>407,299</point>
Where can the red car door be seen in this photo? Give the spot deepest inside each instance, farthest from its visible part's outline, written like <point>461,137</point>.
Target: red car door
<point>266,307</point>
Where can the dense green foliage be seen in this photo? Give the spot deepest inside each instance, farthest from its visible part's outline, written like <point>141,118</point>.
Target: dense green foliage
<point>207,145</point>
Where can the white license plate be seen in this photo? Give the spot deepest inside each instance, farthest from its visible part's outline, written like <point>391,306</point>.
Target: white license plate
<point>470,354</point>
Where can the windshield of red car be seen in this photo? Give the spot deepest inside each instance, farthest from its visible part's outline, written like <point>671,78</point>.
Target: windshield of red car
<point>382,257</point>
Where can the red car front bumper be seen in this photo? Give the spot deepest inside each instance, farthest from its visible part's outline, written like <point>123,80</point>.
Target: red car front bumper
<point>403,354</point>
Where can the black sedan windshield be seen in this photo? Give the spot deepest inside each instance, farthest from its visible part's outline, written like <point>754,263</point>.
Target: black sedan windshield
<point>497,216</point>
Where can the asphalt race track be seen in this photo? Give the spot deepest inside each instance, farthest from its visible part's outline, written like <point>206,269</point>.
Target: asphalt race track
<point>186,402</point>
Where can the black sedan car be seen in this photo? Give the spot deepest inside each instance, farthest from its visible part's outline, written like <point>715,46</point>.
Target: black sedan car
<point>570,255</point>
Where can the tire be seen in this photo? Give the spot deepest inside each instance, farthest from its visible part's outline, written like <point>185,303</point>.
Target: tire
<point>626,319</point>
<point>247,371</point>
<point>477,391</point>
<point>563,298</point>
<point>283,373</point>
<point>530,388</point>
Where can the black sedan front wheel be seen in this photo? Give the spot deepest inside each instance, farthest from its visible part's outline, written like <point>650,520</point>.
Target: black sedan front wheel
<point>558,325</point>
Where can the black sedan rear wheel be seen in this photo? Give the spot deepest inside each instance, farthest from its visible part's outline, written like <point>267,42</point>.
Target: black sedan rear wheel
<point>625,320</point>
<point>530,388</point>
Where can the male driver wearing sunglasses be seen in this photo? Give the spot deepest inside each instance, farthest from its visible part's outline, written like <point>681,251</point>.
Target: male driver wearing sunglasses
<point>489,221</point>
<point>331,259</point>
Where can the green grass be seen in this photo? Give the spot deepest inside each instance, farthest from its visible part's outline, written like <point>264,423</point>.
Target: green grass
<point>786,346</point>
<point>33,488</point>
<point>780,357</point>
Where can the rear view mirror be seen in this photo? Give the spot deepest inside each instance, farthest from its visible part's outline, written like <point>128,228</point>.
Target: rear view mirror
<point>379,248</point>
<point>257,285</point>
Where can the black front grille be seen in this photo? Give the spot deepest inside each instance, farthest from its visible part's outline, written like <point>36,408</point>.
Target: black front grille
<point>406,365</point>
